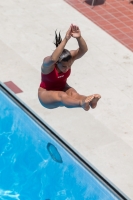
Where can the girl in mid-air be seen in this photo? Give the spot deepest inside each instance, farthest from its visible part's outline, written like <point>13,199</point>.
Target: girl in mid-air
<point>54,90</point>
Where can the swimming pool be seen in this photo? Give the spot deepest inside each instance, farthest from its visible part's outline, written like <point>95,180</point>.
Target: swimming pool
<point>37,164</point>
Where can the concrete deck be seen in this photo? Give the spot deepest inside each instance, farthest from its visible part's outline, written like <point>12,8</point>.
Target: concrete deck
<point>104,136</point>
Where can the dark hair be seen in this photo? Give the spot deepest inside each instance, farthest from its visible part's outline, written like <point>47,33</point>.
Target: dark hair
<point>65,56</point>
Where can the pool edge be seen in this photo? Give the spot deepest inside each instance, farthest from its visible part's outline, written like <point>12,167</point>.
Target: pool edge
<point>83,161</point>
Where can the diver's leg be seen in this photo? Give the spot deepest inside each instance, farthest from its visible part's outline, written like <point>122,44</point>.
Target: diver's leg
<point>74,94</point>
<point>54,99</point>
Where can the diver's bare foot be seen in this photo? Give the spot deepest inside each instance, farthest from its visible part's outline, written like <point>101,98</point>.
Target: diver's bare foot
<point>85,104</point>
<point>94,101</point>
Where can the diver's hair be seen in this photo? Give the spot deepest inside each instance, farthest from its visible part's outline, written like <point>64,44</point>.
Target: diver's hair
<point>58,39</point>
<point>65,56</point>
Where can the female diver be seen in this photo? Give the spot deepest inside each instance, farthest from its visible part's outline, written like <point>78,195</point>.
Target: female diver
<point>54,91</point>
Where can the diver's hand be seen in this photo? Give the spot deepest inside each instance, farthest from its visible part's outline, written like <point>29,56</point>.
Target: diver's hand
<point>68,33</point>
<point>75,31</point>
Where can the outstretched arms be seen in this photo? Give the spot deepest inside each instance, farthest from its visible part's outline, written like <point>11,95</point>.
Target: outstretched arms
<point>73,31</point>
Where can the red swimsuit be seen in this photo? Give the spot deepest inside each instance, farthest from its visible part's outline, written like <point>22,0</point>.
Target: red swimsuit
<point>54,80</point>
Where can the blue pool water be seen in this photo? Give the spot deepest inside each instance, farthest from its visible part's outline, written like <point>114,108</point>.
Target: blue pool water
<point>34,166</point>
